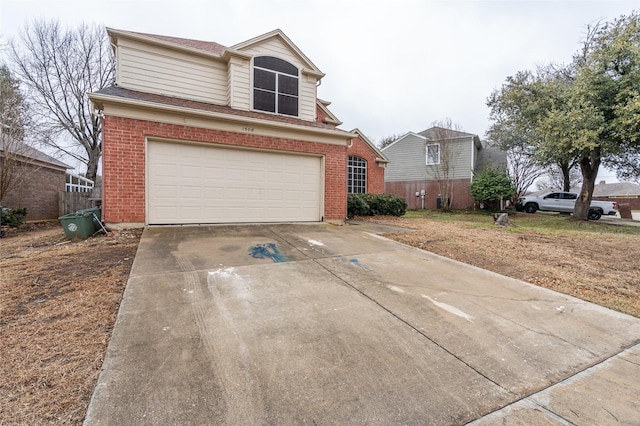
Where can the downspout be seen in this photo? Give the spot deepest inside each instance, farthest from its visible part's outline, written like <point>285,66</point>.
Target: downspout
<point>473,158</point>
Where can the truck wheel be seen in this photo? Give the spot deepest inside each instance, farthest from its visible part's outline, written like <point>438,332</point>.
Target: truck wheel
<point>531,208</point>
<point>594,215</point>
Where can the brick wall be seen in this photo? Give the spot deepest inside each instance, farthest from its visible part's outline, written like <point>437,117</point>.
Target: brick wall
<point>461,198</point>
<point>375,173</point>
<point>39,192</point>
<point>634,202</point>
<point>124,163</point>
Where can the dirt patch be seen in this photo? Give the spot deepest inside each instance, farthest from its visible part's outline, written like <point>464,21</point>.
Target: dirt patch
<point>58,303</point>
<point>599,266</point>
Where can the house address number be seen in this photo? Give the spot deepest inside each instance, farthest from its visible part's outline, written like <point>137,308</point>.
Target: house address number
<point>247,129</point>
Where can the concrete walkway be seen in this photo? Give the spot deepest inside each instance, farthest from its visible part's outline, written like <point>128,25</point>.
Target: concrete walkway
<point>320,324</point>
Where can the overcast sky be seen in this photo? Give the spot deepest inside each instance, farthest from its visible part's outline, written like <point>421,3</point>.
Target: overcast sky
<point>391,66</point>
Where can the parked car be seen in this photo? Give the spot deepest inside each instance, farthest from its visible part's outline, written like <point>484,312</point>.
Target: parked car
<point>563,202</point>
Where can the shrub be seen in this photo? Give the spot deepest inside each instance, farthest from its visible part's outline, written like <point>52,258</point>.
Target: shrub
<point>356,206</point>
<point>490,186</point>
<point>375,204</point>
<point>12,217</point>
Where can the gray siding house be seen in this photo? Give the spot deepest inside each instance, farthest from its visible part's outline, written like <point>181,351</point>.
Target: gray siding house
<point>441,162</point>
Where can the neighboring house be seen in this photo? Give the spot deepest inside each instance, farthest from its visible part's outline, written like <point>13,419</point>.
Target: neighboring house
<point>41,180</point>
<point>429,160</point>
<point>196,132</point>
<point>365,166</point>
<point>620,192</point>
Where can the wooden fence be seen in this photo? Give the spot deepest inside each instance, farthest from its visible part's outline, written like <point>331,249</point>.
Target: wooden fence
<point>73,201</point>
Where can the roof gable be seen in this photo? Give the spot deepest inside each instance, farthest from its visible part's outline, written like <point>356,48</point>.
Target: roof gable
<point>329,117</point>
<point>381,157</point>
<point>278,37</point>
<point>442,133</point>
<point>403,137</point>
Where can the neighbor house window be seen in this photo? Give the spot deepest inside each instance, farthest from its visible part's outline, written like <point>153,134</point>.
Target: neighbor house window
<point>275,86</point>
<point>433,153</point>
<point>356,175</point>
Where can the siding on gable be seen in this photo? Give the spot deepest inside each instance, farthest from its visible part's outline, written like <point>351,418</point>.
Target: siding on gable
<point>162,71</point>
<point>408,159</point>
<point>308,97</point>
<point>459,152</point>
<point>274,47</point>
<point>239,83</point>
<point>307,94</point>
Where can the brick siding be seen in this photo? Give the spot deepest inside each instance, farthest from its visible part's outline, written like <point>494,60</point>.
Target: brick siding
<point>124,163</point>
<point>634,203</point>
<point>375,172</point>
<point>39,192</point>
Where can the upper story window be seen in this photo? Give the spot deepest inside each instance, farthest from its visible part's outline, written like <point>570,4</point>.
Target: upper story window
<point>433,154</point>
<point>356,175</point>
<point>275,86</point>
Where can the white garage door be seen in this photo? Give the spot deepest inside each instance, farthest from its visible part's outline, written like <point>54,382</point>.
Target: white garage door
<point>204,184</point>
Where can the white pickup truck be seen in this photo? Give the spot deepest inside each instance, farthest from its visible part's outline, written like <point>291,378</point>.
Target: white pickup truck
<point>563,202</point>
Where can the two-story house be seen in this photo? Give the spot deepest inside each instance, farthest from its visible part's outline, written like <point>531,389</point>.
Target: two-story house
<point>437,164</point>
<point>196,132</point>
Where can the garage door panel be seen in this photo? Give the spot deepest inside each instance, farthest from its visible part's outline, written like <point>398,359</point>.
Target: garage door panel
<point>191,192</point>
<point>190,172</point>
<point>166,212</point>
<point>212,173</point>
<point>199,184</point>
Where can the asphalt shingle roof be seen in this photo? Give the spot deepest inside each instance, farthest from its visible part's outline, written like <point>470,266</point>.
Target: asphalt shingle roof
<point>205,46</point>
<point>27,151</point>
<point>120,92</point>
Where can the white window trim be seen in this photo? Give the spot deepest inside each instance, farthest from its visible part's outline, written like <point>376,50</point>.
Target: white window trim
<point>427,154</point>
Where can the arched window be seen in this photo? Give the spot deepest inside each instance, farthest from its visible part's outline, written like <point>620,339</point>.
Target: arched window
<point>356,175</point>
<point>275,86</point>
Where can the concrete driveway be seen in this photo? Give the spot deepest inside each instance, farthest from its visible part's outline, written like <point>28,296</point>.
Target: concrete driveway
<point>322,324</point>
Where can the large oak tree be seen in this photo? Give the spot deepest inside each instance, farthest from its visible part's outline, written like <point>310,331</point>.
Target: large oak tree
<point>585,112</point>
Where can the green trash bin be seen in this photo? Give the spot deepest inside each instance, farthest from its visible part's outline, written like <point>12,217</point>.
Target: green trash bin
<point>97,219</point>
<point>81,224</point>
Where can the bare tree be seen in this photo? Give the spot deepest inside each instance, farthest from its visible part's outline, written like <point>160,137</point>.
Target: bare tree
<point>60,67</point>
<point>443,171</point>
<point>13,127</point>
<point>523,170</point>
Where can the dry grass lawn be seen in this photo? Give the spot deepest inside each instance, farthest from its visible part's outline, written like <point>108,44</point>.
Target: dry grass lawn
<point>593,261</point>
<point>58,302</point>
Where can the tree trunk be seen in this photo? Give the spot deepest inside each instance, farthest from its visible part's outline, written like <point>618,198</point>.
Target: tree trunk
<point>589,165</point>
<point>92,164</point>
<point>566,179</point>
